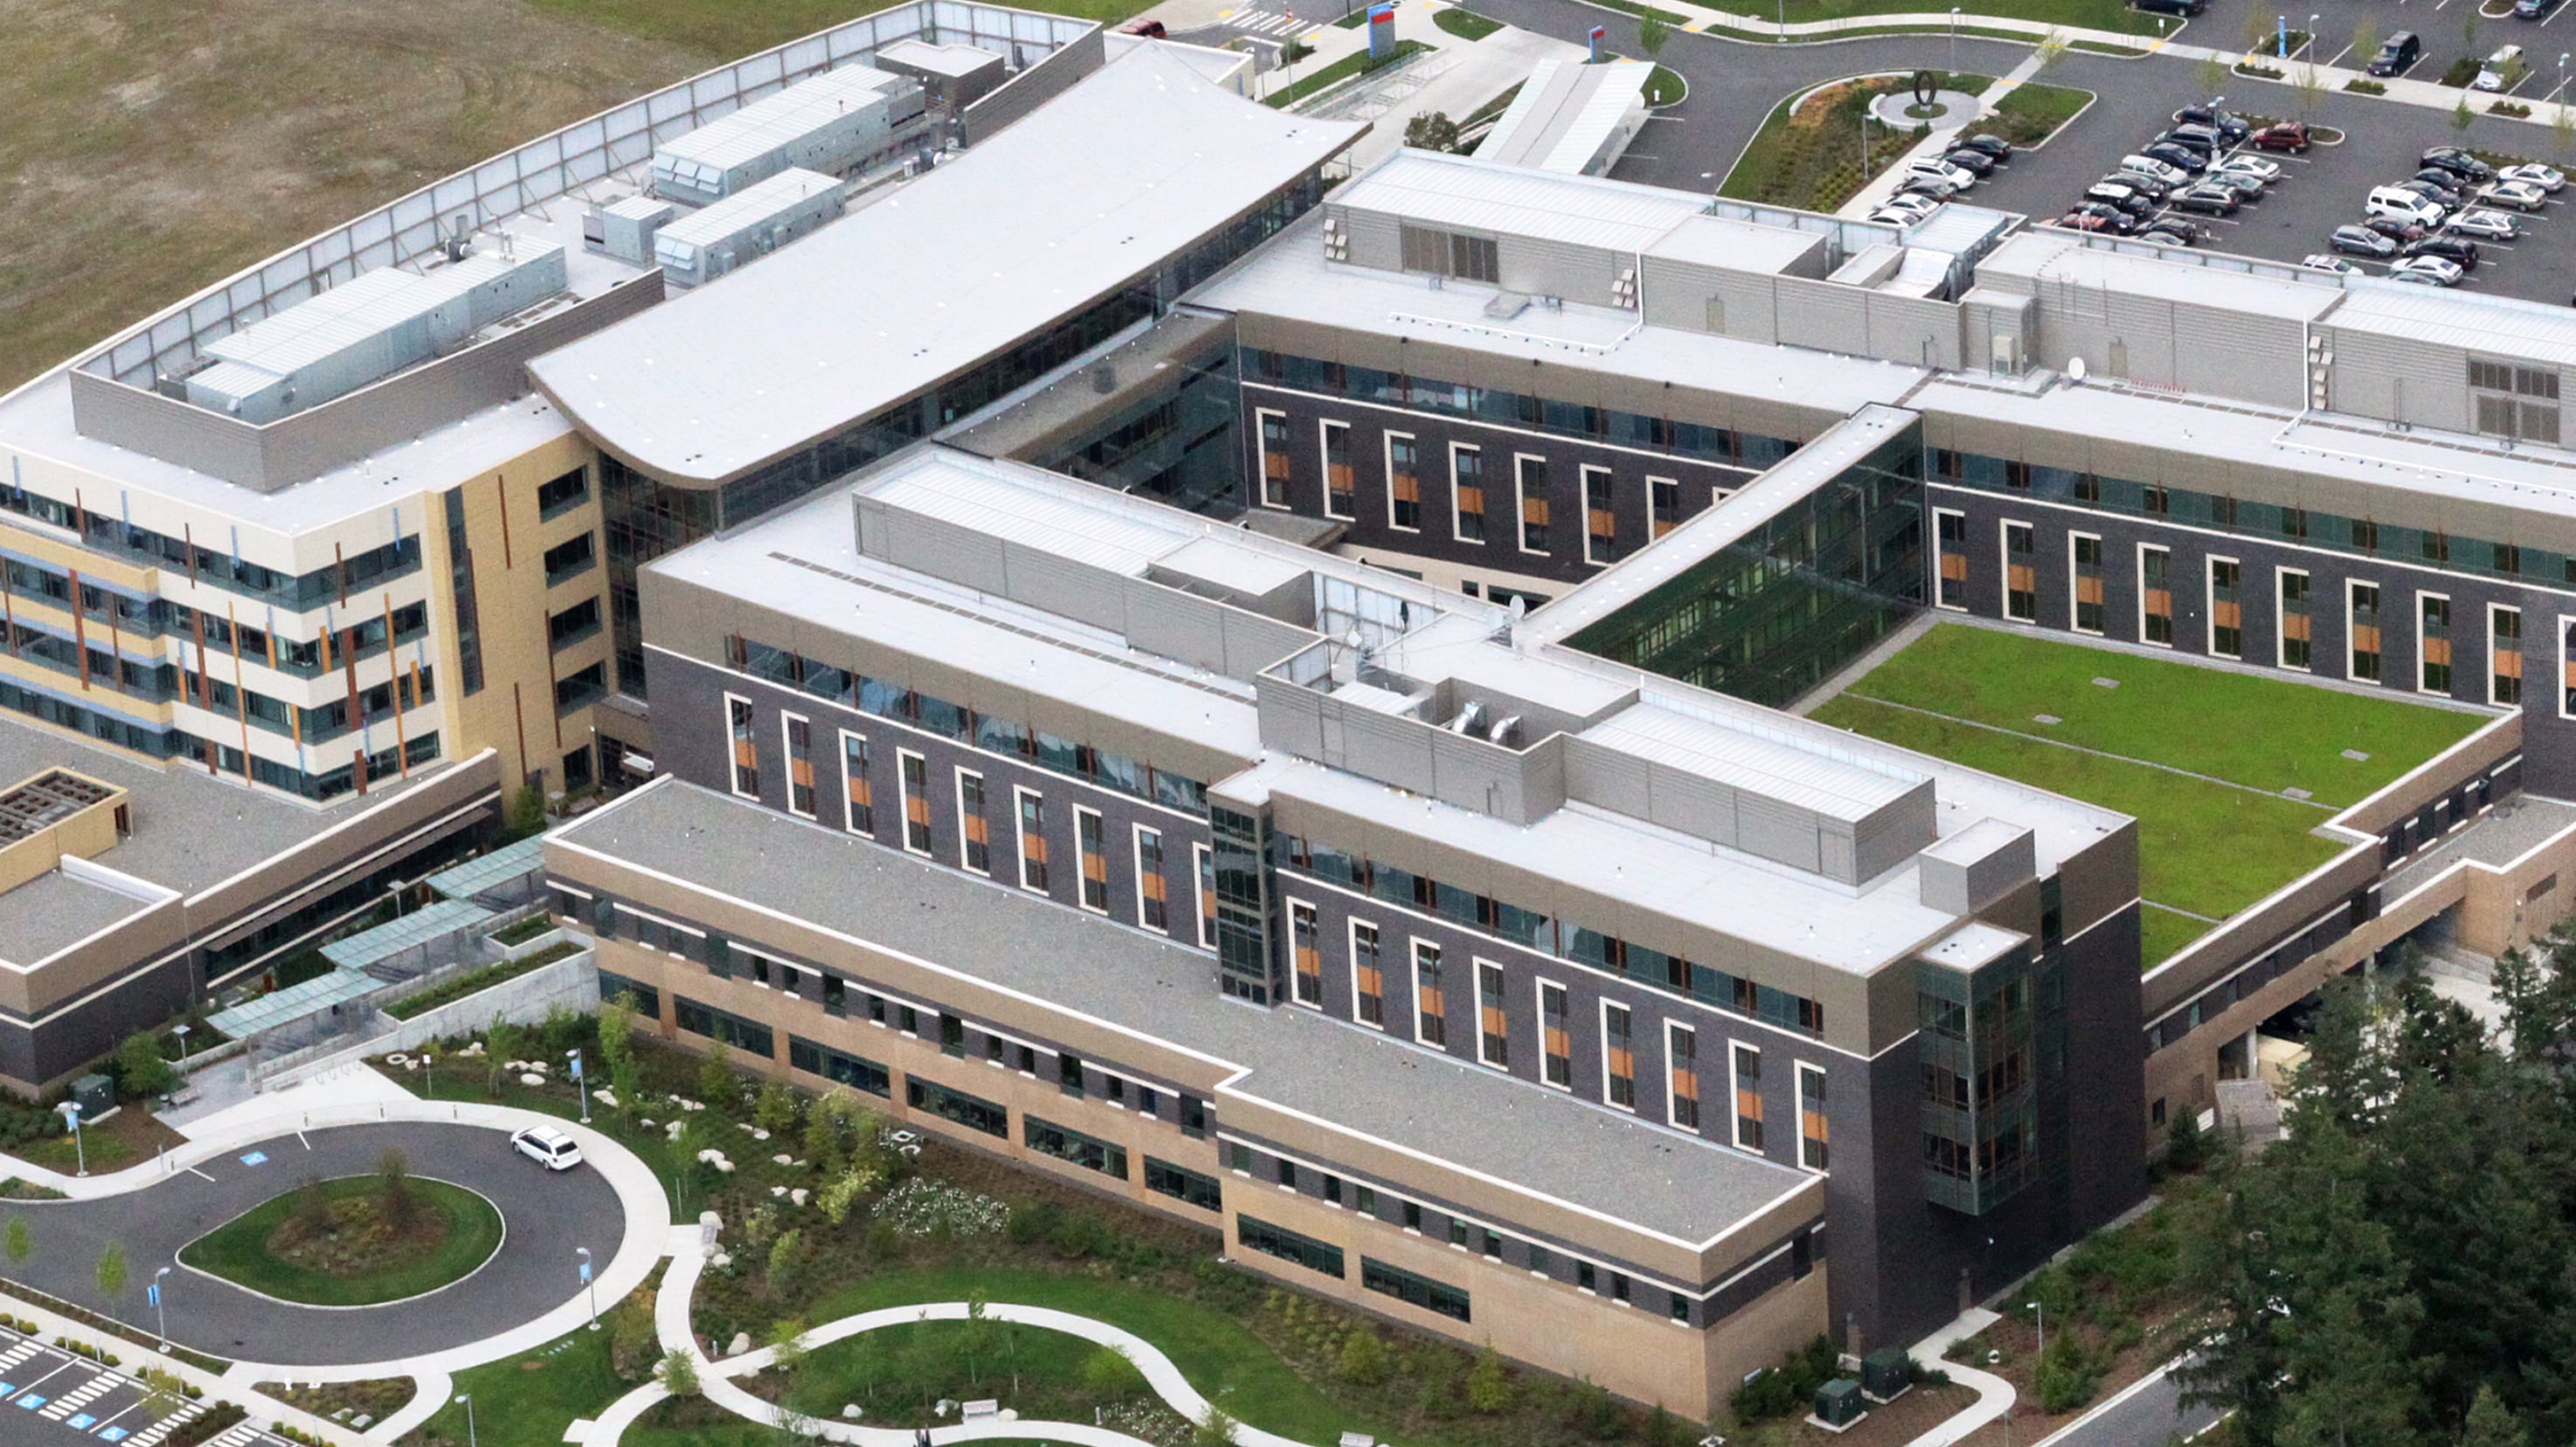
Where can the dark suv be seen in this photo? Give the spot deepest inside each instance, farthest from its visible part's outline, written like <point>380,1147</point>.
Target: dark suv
<point>2398,52</point>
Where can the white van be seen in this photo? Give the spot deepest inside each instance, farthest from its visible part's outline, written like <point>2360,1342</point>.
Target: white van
<point>2399,204</point>
<point>2154,169</point>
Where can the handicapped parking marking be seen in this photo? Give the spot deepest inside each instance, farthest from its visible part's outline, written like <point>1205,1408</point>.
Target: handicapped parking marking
<point>112,1434</point>
<point>80,1419</point>
<point>31,1403</point>
<point>255,1158</point>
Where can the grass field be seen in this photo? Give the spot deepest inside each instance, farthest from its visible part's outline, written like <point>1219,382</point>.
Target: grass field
<point>2030,113</point>
<point>155,147</point>
<point>1811,158</point>
<point>238,1250</point>
<point>2208,846</point>
<point>1465,24</point>
<point>528,1401</point>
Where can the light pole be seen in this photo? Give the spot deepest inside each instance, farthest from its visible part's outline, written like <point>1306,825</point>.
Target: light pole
<point>158,1314</point>
<point>71,1112</point>
<point>2312,36</point>
<point>2562,80</point>
<point>182,1032</point>
<point>2043,1327</point>
<point>1784,22</point>
<point>468,1400</point>
<point>592,1285</point>
<point>1954,44</point>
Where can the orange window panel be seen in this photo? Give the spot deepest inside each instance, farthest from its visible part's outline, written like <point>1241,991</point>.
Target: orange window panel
<point>1661,527</point>
<point>2365,639</point>
<point>1558,1041</point>
<point>1428,997</point>
<point>2295,626</point>
<point>2088,589</point>
<point>1602,522</point>
<point>1812,1123</point>
<point>2226,614</point>
<point>1339,475</point>
<point>2160,602</point>
<point>1408,488</point>
<point>802,771</point>
<point>1095,868</point>
<point>1471,501</point>
<point>1748,1104</point>
<point>1686,1083</point>
<point>1534,510</point>
<point>2437,650</point>
<point>1152,887</point>
<point>1033,848</point>
<point>1372,980</point>
<point>1493,1021</point>
<point>2022,576</point>
<point>979,830</point>
<point>1954,566</point>
<point>1623,1062</point>
<point>1274,465</point>
<point>2508,665</point>
<point>745,754</point>
<point>917,810</point>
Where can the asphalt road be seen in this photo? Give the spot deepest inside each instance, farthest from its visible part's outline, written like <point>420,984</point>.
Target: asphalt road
<point>50,1398</point>
<point>2150,1415</point>
<point>545,1214</point>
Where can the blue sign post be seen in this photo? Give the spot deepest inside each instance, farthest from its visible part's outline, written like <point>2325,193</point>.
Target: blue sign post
<point>1381,31</point>
<point>1598,31</point>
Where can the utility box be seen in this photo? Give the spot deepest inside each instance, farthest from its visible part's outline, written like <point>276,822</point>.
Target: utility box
<point>1839,1404</point>
<point>95,1095</point>
<point>1885,1373</point>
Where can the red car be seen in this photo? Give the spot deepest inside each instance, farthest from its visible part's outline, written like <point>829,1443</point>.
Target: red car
<point>1150,29</point>
<point>2290,136</point>
<point>2084,221</point>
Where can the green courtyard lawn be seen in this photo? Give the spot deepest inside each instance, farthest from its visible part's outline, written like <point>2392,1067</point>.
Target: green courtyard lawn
<point>356,1254</point>
<point>2211,840</point>
<point>528,1400</point>
<point>2264,733</point>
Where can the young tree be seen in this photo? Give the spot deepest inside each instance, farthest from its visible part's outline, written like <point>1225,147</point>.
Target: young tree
<point>21,1242</point>
<point>977,1338</point>
<point>775,1111</point>
<point>2365,41</point>
<point>2462,117</point>
<point>2311,87</point>
<point>112,1271</point>
<point>1489,1388</point>
<point>2211,73</point>
<point>678,1373</point>
<point>1215,1429</point>
<point>527,812</point>
<point>143,1071</point>
<point>787,1349</point>
<point>716,1079</point>
<point>501,1045</point>
<point>2491,1423</point>
<point>617,1030</point>
<point>2052,49</point>
<point>1365,1361</point>
<point>2562,132</point>
<point>1652,33</point>
<point>784,1254</point>
<point>394,1194</point>
<point>1431,131</point>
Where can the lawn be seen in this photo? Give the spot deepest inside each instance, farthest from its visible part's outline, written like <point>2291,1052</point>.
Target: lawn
<point>2264,733</point>
<point>2030,113</point>
<point>361,1262</point>
<point>1811,159</point>
<point>2206,846</point>
<point>1465,24</point>
<point>527,1401</point>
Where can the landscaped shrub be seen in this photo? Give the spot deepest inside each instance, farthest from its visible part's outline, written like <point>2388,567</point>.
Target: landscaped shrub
<point>1789,1387</point>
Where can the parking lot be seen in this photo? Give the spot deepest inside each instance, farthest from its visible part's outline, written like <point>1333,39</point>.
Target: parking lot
<point>49,1395</point>
<point>2317,191</point>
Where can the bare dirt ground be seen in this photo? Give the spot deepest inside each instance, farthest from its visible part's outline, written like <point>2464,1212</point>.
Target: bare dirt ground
<point>149,148</point>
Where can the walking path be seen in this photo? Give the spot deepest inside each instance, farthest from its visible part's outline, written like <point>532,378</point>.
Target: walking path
<point>1994,1395</point>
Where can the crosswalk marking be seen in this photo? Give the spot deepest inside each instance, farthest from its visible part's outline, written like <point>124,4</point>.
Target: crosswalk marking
<point>1265,22</point>
<point>80,1396</point>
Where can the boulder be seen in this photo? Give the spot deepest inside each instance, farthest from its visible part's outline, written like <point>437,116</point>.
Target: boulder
<point>532,1078</point>
<point>741,1344</point>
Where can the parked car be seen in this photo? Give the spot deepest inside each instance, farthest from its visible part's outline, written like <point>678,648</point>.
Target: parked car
<point>1904,210</point>
<point>2128,201</point>
<point>2203,146</point>
<point>1994,146</point>
<point>2458,250</point>
<point>1975,163</point>
<point>2248,188</point>
<point>2396,53</point>
<point>2120,222</point>
<point>2154,169</point>
<point>2208,138</point>
<point>2083,221</point>
<point>2140,181</point>
<point>2532,9</point>
<point>2173,229</point>
<point>2207,199</point>
<point>2426,271</point>
<point>2452,158</point>
<point>2397,229</point>
<point>2336,264</point>
<point>2435,192</point>
<point>2485,225</point>
<point>2227,126</point>
<point>2181,158</point>
<point>2185,8</point>
<point>2547,178</point>
<point>1935,167</point>
<point>2520,195</point>
<point>2362,241</point>
<point>1927,185</point>
<point>2261,170</point>
<point>2501,69</point>
<point>2403,204</point>
<point>1150,29</point>
<point>2286,136</point>
<point>548,1147</point>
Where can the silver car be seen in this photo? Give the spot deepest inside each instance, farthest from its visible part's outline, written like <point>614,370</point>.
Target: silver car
<point>2484,226</point>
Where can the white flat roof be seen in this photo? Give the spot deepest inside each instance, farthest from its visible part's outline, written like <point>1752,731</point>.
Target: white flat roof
<point>1723,241</point>
<point>1479,195</point>
<point>2062,259</point>
<point>1096,188</point>
<point>1565,112</point>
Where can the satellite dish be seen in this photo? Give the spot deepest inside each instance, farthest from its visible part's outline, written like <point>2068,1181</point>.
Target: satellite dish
<point>2075,368</point>
<point>1520,607</point>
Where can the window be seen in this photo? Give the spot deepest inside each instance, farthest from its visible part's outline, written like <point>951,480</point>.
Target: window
<point>1529,479</point>
<point>1413,1290</point>
<point>1467,492</point>
<point>568,627</point>
<point>1271,436</point>
<point>746,747</point>
<point>553,497</point>
<point>1663,506</point>
<point>1811,1117</point>
<point>1073,1147</point>
<point>1493,1033</point>
<point>1184,1185</point>
<point>1368,979</point>
<point>1151,910</point>
<point>1306,954</point>
<point>916,800</point>
<point>2433,643</point>
<point>1681,1063</point>
<point>1748,1097</point>
<point>800,764</point>
<point>1068,1075</point>
<point>1430,1002</point>
<point>1203,862</point>
<point>748,1036</point>
<point>1618,1057</point>
<point>952,1036</point>
<point>1600,518</point>
<point>973,828</point>
<point>1092,841</point>
<point>2362,602</point>
<point>973,1112</point>
<point>1033,847</point>
<point>1340,490</point>
<point>1556,1037</point>
<point>858,813</point>
<point>2084,561</point>
<point>1403,483</point>
<point>1951,529</point>
<point>570,559</point>
<point>2226,614</point>
<point>2504,655</point>
<point>2155,595</point>
<point>1287,1245</point>
<point>2295,627</point>
<point>2021,574</point>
